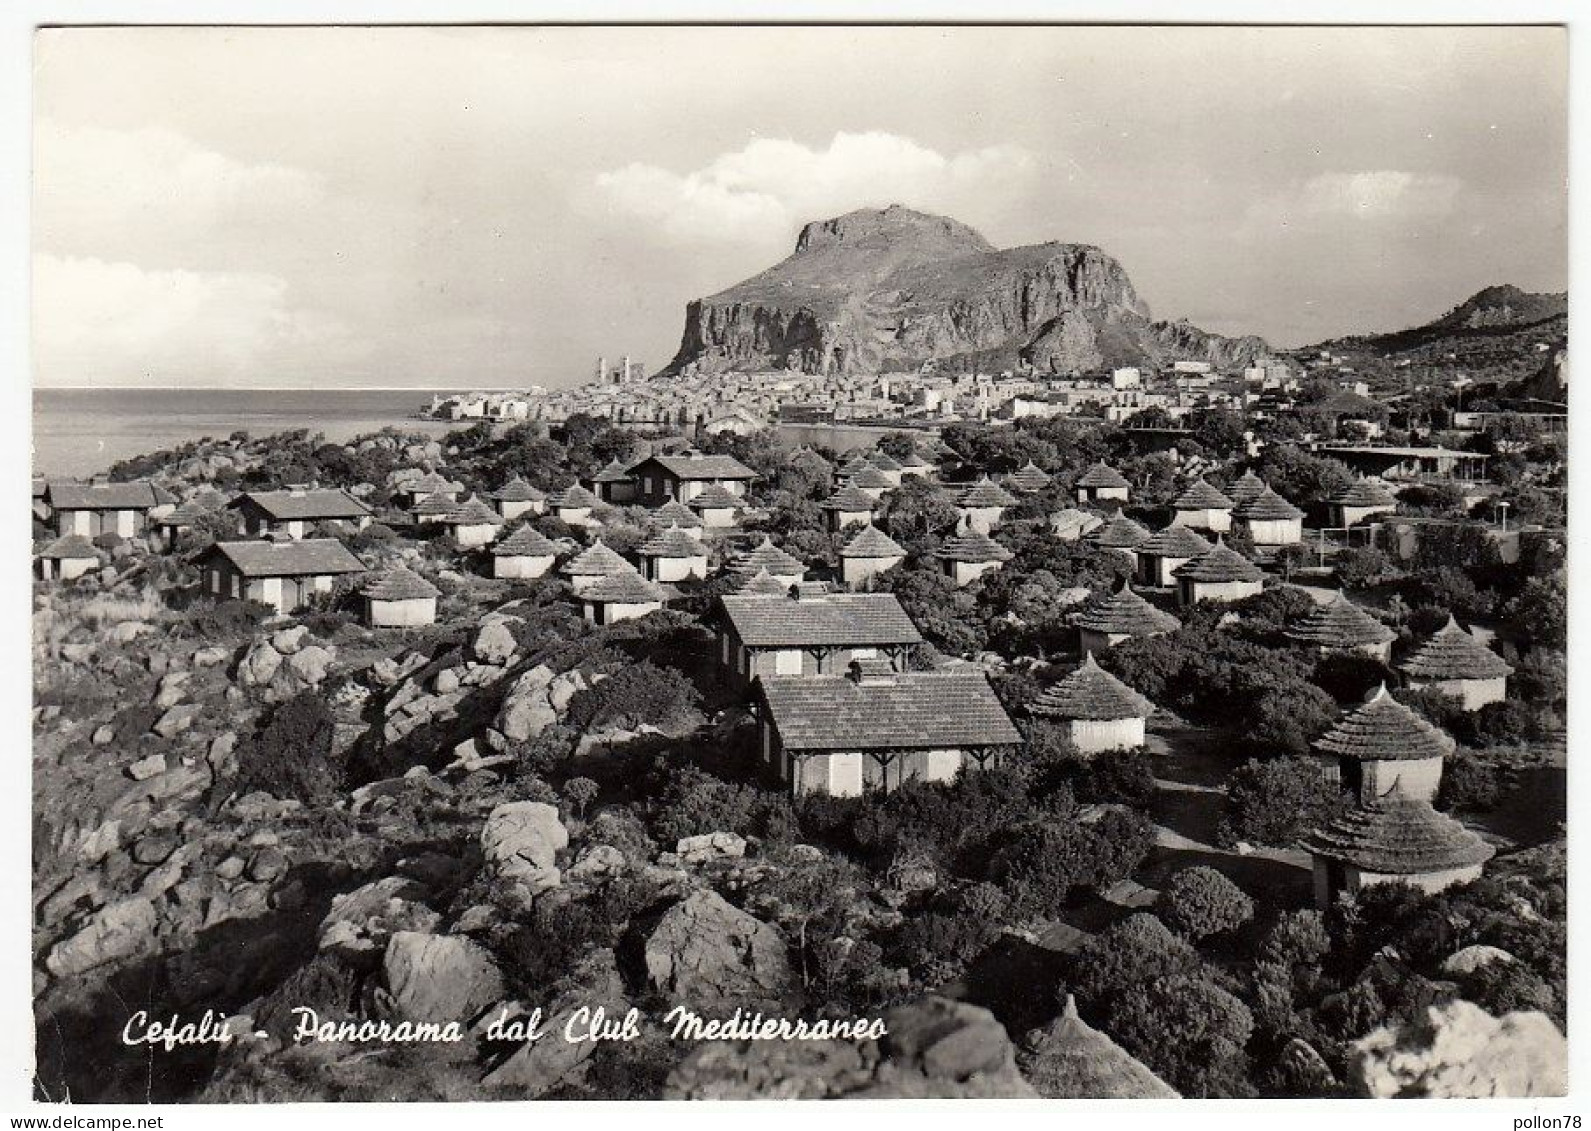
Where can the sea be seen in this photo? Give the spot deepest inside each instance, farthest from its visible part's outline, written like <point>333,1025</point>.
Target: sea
<point>78,432</point>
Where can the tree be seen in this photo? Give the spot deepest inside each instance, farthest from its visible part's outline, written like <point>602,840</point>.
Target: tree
<point>1361,567</point>
<point>1134,951</point>
<point>1540,610</point>
<point>580,792</point>
<point>1275,801</point>
<point>1200,902</point>
<point>1040,863</point>
<point>291,755</point>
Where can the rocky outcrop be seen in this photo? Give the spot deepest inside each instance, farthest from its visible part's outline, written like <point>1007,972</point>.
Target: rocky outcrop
<point>287,663</point>
<point>438,978</point>
<point>538,1066</point>
<point>704,951</point>
<point>892,289</point>
<point>521,842</point>
<point>1462,1052</point>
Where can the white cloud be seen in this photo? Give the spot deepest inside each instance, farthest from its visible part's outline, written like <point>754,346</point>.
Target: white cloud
<point>758,192</point>
<point>115,323</point>
<point>1379,193</point>
<point>127,193</point>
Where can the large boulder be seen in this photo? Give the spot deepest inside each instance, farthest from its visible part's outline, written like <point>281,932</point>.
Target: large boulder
<point>494,644</point>
<point>526,712</point>
<point>709,846</point>
<point>521,841</point>
<point>361,922</point>
<point>122,930</point>
<point>704,951</point>
<point>438,978</point>
<point>258,665</point>
<point>1460,1051</point>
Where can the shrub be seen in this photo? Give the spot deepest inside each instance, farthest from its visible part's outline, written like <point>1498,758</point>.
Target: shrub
<point>1468,785</point>
<point>580,792</point>
<point>1508,722</point>
<point>1200,902</point>
<point>291,755</point>
<point>641,694</point>
<point>1121,776</point>
<point>1362,567</point>
<point>1042,862</point>
<point>1190,1032</point>
<point>1134,951</point>
<point>688,801</point>
<point>1275,801</point>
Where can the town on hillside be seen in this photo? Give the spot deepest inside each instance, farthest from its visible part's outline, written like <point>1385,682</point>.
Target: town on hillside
<point>1188,729</point>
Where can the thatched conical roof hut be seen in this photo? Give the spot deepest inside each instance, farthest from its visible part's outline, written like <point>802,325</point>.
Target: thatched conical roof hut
<point>1090,692</point>
<point>1071,1060</point>
<point>1384,730</point>
<point>526,542</point>
<point>400,584</point>
<point>1125,613</point>
<point>1221,564</point>
<point>1120,533</point>
<point>1102,475</point>
<point>767,556</point>
<point>1398,835</point>
<point>1200,496</point>
<point>1339,624</point>
<point>1029,477</point>
<point>972,546</point>
<point>1452,653</point>
<point>985,493</point>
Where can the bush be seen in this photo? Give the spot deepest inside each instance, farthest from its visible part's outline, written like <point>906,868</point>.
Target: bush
<point>641,694</point>
<point>1468,785</point>
<point>1363,567</point>
<point>1041,863</point>
<point>1277,800</point>
<point>1200,902</point>
<point>1135,951</point>
<point>1189,1032</point>
<point>1508,722</point>
<point>290,757</point>
<point>688,801</point>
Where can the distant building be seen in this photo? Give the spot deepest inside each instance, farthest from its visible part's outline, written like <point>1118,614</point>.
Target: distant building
<point>1362,499</point>
<point>672,555</point>
<point>785,568</point>
<point>284,575</point>
<point>877,728</point>
<point>1162,552</point>
<point>592,564</point>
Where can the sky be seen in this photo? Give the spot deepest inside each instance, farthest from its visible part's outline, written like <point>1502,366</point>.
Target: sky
<point>494,207</point>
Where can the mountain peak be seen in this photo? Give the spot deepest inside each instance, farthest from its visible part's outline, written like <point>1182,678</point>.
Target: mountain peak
<point>1503,305</point>
<point>880,289</point>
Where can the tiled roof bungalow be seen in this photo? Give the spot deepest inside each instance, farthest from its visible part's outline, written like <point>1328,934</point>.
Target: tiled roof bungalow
<point>684,475</point>
<point>1455,663</point>
<point>809,634</point>
<point>876,728</point>
<point>283,575</point>
<point>92,509</point>
<point>290,514</point>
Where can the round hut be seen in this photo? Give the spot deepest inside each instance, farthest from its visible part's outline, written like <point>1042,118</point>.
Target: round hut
<point>1124,615</point>
<point>849,506</point>
<point>1359,501</point>
<point>620,596</point>
<point>1028,478</point>
<point>432,509</point>
<point>169,527</point>
<point>472,523</point>
<point>676,513</point>
<point>1099,711</point>
<point>872,481</point>
<point>573,505</point>
<point>1071,1060</point>
<point>760,584</point>
<point>1202,507</point>
<point>1247,487</point>
<point>783,567</point>
<point>400,598</point>
<point>1119,533</point>
<point>1163,551</point>
<point>426,486</point>
<point>672,555</point>
<point>1382,743</point>
<point>1270,520</point>
<point>1455,663</point>
<point>717,506</point>
<point>1342,626</point>
<point>869,551</point>
<point>887,466</point>
<point>1221,575</point>
<point>982,504</point>
<point>516,497</point>
<point>590,565</point>
<point>913,463</point>
<point>1101,483</point>
<point>1395,838</point>
<point>67,558</point>
<point>523,555</point>
<point>969,555</point>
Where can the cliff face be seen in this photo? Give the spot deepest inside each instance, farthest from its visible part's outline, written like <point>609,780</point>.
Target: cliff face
<point>891,289</point>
